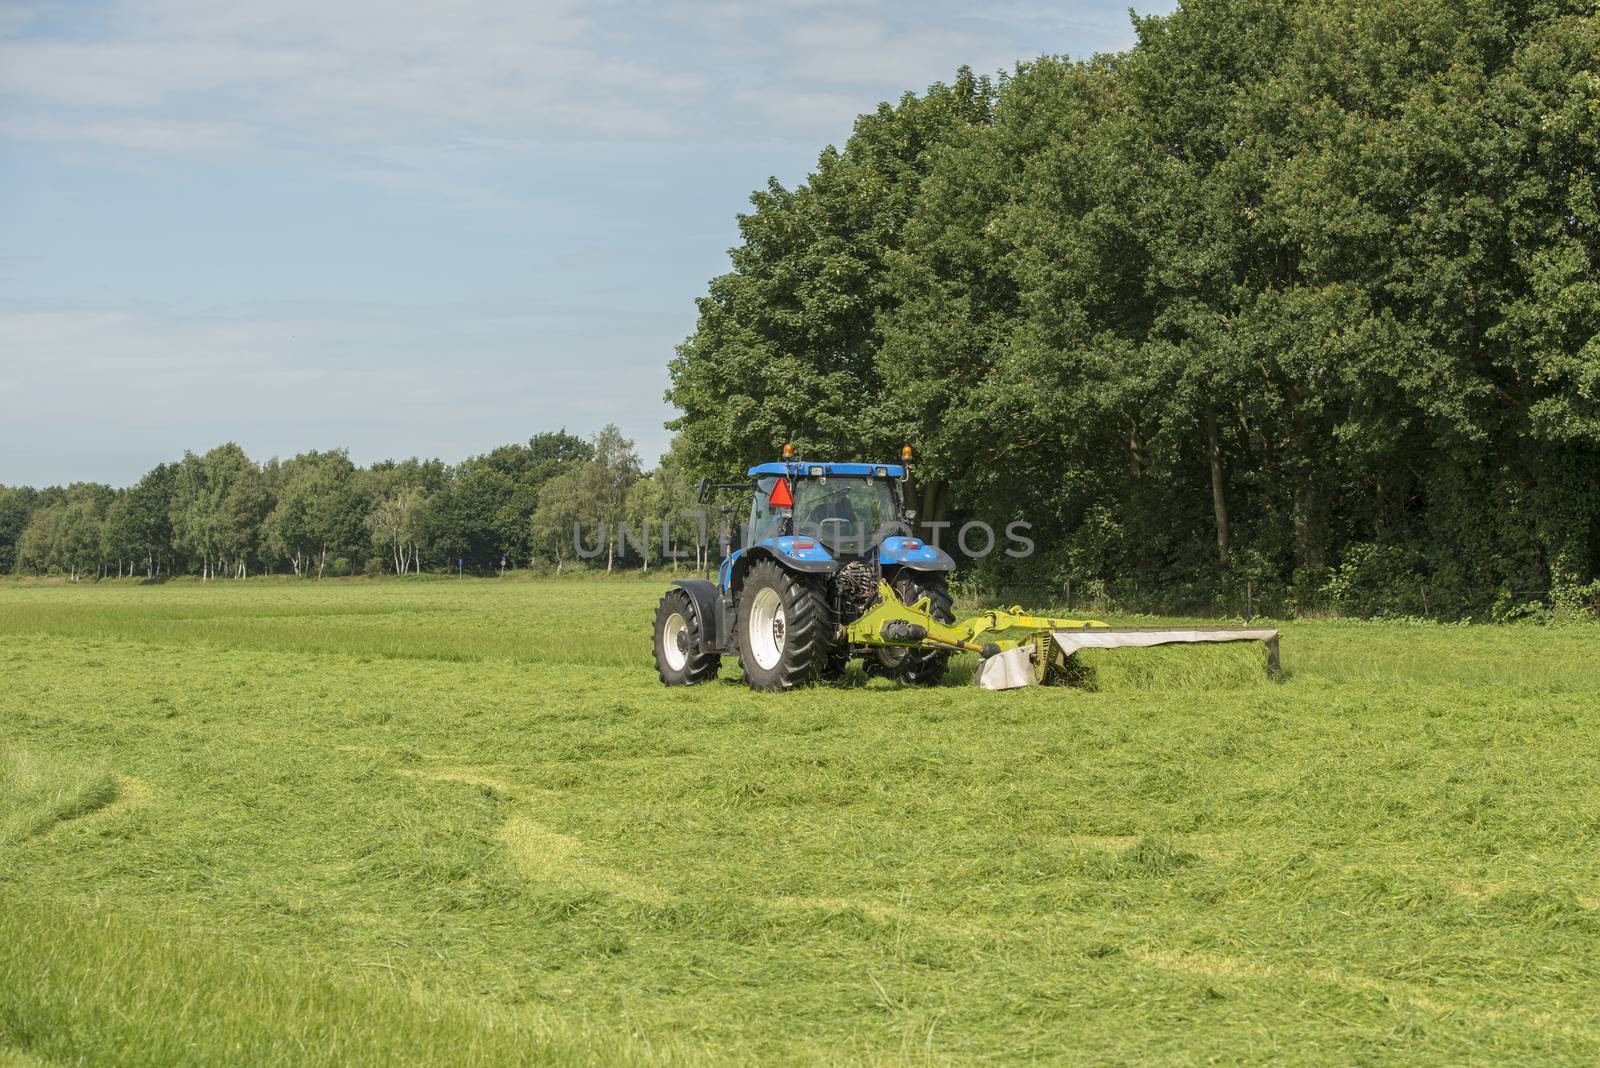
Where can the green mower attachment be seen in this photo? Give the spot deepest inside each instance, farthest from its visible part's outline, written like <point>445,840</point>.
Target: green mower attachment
<point>1038,657</point>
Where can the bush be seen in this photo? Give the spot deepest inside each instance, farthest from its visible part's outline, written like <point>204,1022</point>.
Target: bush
<point>340,568</point>
<point>1378,580</point>
<point>1581,601</point>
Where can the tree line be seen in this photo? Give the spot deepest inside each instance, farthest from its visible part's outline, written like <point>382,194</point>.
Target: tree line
<point>1301,295</point>
<point>220,514</point>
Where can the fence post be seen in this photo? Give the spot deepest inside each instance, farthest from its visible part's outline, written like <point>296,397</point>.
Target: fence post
<point>1249,601</point>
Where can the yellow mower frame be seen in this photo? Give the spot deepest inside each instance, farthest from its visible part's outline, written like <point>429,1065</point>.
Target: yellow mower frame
<point>889,610</point>
<point>1042,653</point>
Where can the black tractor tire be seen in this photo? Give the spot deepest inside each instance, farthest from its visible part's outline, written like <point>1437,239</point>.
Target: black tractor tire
<point>784,627</point>
<point>677,639</point>
<point>915,667</point>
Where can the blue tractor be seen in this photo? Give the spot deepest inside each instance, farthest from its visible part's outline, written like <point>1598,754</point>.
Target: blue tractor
<point>822,543</point>
<point>828,571</point>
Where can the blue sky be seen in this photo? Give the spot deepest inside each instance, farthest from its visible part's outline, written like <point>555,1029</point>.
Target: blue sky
<point>414,228</point>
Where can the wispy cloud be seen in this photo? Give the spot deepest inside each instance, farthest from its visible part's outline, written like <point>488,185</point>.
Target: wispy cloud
<point>352,72</point>
<point>323,72</point>
<point>383,381</point>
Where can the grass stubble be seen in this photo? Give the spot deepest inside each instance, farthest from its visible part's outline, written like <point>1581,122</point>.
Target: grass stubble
<point>461,823</point>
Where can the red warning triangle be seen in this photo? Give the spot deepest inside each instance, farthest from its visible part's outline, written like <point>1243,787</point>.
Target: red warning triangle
<point>781,497</point>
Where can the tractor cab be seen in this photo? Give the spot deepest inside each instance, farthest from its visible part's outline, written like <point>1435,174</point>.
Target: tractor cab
<point>847,507</point>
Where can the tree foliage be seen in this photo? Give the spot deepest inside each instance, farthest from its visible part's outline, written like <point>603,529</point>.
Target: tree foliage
<point>1288,294</point>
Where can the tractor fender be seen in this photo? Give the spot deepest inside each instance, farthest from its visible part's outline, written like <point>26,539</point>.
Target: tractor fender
<point>710,624</point>
<point>786,551</point>
<point>913,553</point>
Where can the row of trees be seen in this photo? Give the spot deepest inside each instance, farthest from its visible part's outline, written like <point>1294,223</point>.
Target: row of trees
<point>1304,295</point>
<point>221,514</point>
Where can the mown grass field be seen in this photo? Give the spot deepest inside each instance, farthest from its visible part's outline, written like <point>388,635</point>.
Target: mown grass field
<point>461,823</point>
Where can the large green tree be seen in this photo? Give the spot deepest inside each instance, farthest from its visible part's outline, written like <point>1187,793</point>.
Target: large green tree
<point>787,342</point>
<point>16,507</point>
<point>320,509</point>
<point>218,503</point>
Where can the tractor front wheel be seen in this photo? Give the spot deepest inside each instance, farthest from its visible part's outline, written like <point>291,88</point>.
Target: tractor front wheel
<point>783,628</point>
<point>678,659</point>
<point>917,667</point>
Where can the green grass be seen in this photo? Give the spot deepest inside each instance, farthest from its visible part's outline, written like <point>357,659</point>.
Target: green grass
<point>462,823</point>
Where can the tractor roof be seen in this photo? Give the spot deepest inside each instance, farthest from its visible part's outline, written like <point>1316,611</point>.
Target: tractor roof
<point>807,468</point>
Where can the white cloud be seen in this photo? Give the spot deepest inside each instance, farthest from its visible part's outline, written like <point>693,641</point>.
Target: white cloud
<point>825,115</point>
<point>383,381</point>
<point>166,135</point>
<point>312,73</point>
<point>329,72</point>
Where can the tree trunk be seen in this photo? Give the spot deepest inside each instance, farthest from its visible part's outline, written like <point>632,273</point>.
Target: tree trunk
<point>1219,501</point>
<point>1309,550</point>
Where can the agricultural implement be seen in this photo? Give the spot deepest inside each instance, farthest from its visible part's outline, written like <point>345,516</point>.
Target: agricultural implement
<point>821,579</point>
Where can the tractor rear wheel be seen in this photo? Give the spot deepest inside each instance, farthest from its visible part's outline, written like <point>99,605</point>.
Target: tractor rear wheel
<point>917,667</point>
<point>677,641</point>
<point>783,626</point>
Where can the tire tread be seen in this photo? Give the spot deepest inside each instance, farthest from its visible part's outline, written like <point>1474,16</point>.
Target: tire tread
<point>808,628</point>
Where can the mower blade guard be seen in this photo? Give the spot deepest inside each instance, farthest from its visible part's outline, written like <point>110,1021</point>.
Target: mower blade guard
<point>1007,670</point>
<point>1070,641</point>
<point>1015,667</point>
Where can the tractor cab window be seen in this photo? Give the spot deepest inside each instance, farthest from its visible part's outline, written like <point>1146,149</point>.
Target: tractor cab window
<point>844,513</point>
<point>765,520</point>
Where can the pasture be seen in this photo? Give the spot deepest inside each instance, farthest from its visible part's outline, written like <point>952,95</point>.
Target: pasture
<point>460,822</point>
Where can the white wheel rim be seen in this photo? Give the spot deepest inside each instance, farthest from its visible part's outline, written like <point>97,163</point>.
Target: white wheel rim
<point>675,641</point>
<point>768,627</point>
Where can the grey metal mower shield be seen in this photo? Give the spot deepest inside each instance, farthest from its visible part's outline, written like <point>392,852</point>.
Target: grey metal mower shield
<point>1015,668</point>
